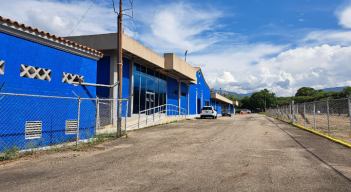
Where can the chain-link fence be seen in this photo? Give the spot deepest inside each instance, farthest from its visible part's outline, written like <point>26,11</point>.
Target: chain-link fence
<point>330,116</point>
<point>34,121</point>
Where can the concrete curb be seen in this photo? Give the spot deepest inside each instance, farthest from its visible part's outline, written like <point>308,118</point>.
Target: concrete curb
<point>315,132</point>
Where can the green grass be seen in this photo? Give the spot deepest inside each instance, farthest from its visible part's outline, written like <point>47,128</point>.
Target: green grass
<point>10,153</point>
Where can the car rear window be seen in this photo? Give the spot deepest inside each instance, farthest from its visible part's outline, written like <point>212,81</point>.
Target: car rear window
<point>207,108</point>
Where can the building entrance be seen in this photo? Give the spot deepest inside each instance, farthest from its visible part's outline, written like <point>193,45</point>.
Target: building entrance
<point>150,101</point>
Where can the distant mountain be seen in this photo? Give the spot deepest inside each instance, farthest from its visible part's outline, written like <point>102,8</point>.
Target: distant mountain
<point>238,95</point>
<point>334,89</point>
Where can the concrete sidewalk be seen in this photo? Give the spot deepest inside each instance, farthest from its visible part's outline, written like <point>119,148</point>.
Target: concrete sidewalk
<point>238,153</point>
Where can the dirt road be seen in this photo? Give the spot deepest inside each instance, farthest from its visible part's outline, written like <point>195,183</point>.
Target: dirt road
<point>241,153</point>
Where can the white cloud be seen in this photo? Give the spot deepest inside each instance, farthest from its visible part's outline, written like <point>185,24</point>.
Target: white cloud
<point>301,20</point>
<point>59,17</point>
<point>177,27</point>
<point>334,37</point>
<point>344,16</point>
<point>320,67</point>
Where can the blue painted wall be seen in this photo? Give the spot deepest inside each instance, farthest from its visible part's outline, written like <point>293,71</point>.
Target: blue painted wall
<point>201,86</point>
<point>184,100</point>
<point>172,84</point>
<point>126,78</point>
<point>52,112</point>
<point>103,77</point>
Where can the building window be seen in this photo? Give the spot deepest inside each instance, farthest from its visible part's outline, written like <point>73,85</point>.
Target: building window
<point>2,67</point>
<point>71,78</point>
<point>183,94</point>
<point>35,72</point>
<point>207,103</point>
<point>174,92</point>
<point>148,80</point>
<point>199,74</point>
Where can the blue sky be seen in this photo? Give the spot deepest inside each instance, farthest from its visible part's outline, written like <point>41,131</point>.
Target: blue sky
<point>241,45</point>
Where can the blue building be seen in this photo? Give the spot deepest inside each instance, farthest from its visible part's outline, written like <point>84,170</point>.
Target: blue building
<point>34,62</point>
<point>149,79</point>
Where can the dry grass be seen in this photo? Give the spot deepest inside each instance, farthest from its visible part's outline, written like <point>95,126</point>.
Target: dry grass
<point>339,125</point>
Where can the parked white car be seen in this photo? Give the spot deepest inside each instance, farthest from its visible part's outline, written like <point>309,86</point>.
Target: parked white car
<point>208,111</point>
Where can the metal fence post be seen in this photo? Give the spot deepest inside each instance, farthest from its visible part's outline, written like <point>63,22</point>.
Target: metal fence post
<point>348,100</point>
<point>314,113</point>
<point>97,118</point>
<point>146,112</point>
<point>77,136</point>
<point>293,110</point>
<point>125,119</point>
<point>304,113</point>
<point>328,116</point>
<point>297,112</point>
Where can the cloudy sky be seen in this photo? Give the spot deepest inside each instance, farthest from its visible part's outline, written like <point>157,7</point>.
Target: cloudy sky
<point>241,46</point>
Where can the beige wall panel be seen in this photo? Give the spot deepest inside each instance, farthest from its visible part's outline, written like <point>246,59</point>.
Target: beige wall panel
<point>174,62</point>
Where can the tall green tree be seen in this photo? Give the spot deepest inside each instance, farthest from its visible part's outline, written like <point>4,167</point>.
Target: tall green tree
<point>263,99</point>
<point>244,103</point>
<point>305,91</point>
<point>346,92</point>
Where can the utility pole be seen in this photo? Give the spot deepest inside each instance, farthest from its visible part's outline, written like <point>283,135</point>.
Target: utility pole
<point>120,70</point>
<point>186,52</point>
<point>120,62</point>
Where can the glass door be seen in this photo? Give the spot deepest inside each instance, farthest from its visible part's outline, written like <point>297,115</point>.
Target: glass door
<point>150,100</point>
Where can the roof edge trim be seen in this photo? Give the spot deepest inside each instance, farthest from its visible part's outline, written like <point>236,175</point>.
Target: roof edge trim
<point>16,29</point>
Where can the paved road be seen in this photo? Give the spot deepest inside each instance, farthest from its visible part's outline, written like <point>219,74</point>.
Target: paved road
<point>242,153</point>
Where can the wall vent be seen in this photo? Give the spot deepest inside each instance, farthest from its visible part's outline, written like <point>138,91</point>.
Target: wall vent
<point>2,67</point>
<point>33,129</point>
<point>35,72</point>
<point>71,127</point>
<point>71,78</point>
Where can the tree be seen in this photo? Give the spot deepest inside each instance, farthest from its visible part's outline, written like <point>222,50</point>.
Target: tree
<point>305,91</point>
<point>262,99</point>
<point>346,92</point>
<point>244,103</point>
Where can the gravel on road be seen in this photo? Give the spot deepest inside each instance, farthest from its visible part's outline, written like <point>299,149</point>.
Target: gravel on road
<point>239,153</point>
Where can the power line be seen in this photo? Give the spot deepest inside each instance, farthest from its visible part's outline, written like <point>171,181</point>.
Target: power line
<point>82,18</point>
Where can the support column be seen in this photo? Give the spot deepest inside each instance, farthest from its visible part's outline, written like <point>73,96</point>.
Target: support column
<point>202,97</point>
<point>196,102</point>
<point>131,87</point>
<point>188,99</point>
<point>114,90</point>
<point>179,96</point>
